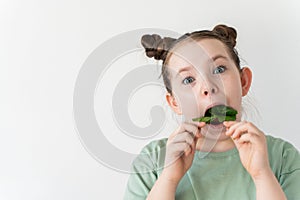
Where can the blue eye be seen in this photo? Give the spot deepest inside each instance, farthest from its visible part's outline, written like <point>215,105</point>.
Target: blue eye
<point>188,80</point>
<point>219,70</point>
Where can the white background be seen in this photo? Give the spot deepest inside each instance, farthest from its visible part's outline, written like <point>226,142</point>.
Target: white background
<point>43,45</point>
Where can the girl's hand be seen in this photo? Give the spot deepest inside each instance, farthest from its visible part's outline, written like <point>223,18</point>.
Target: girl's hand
<point>252,146</point>
<point>180,151</point>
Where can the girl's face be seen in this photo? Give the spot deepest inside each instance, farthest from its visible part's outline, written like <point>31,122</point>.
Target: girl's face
<point>203,75</point>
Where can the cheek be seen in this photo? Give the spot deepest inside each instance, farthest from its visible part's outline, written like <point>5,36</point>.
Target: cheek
<point>233,86</point>
<point>234,95</point>
<point>188,102</point>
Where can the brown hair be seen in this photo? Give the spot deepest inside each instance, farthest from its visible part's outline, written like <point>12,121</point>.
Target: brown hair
<point>161,48</point>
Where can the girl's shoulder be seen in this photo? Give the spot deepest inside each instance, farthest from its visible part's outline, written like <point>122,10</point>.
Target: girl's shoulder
<point>151,157</point>
<point>155,146</point>
<point>279,144</point>
<point>284,157</point>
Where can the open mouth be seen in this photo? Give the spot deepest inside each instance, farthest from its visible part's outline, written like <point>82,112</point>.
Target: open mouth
<point>218,114</point>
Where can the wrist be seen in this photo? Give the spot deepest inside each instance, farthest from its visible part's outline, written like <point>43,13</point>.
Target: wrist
<point>173,182</point>
<point>268,187</point>
<point>263,175</point>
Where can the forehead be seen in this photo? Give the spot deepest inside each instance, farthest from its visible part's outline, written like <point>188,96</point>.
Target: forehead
<point>196,53</point>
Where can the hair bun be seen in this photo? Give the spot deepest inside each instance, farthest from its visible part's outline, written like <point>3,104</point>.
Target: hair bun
<point>228,33</point>
<point>155,46</point>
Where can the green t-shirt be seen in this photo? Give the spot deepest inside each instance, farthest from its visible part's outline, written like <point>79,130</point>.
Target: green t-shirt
<point>215,175</point>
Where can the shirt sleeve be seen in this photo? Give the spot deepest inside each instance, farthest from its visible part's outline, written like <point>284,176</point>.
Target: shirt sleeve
<point>290,172</point>
<point>141,179</point>
<point>145,170</point>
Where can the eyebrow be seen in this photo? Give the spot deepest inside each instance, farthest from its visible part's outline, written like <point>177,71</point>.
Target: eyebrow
<point>185,69</point>
<point>214,58</point>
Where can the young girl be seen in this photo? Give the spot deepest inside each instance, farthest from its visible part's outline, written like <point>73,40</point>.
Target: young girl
<point>217,160</point>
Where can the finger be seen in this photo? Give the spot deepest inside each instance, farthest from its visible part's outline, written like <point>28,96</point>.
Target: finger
<point>184,137</point>
<point>248,138</point>
<point>189,127</point>
<point>200,124</point>
<point>188,138</point>
<point>180,148</point>
<point>197,123</point>
<point>228,124</point>
<point>192,128</point>
<point>240,130</point>
<point>242,127</point>
<point>188,151</point>
<point>232,127</point>
<point>194,145</point>
<point>186,127</point>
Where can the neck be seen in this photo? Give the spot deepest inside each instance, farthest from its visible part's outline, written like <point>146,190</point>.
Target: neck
<point>212,145</point>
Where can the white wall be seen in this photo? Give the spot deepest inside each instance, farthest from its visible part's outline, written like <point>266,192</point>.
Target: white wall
<point>43,45</point>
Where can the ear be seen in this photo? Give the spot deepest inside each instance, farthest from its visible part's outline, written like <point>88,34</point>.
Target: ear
<point>173,103</point>
<point>246,80</point>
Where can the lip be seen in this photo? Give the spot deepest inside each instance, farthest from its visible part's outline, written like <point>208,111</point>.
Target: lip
<point>216,130</point>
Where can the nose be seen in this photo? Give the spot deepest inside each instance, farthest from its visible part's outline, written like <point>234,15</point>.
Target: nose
<point>209,84</point>
<point>208,90</point>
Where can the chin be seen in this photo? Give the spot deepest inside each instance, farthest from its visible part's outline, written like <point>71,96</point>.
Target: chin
<point>213,132</point>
